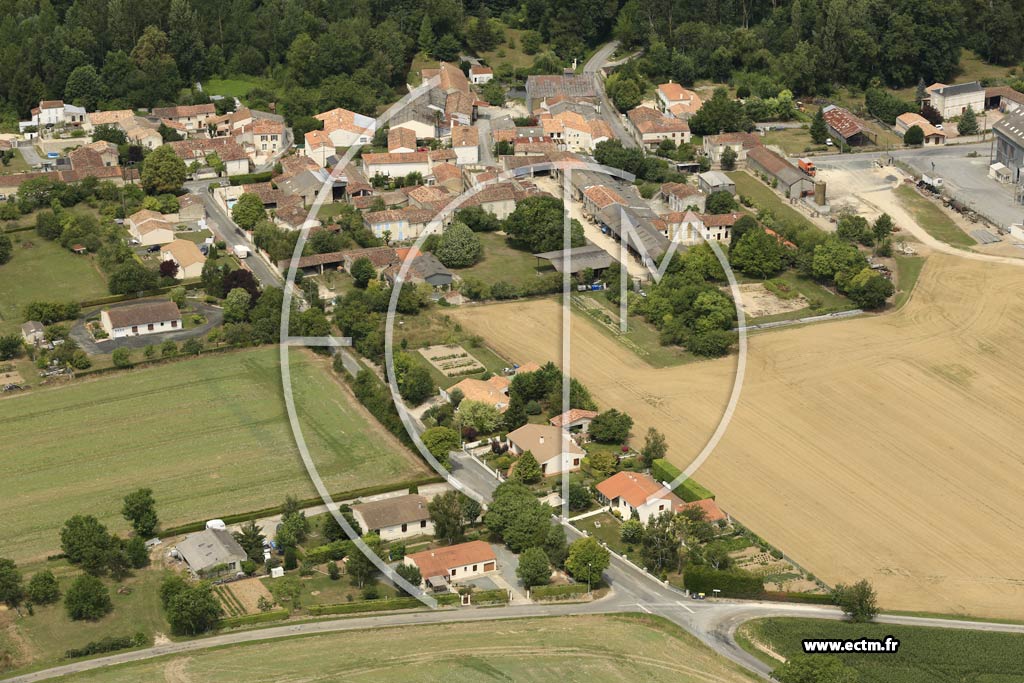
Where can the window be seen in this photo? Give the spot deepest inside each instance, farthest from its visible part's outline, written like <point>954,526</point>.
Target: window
<point>423,524</point>
<point>135,329</point>
<point>149,327</point>
<point>453,572</point>
<point>474,567</point>
<point>174,323</point>
<point>405,527</point>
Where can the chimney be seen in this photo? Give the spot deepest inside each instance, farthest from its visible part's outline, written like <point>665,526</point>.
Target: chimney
<point>542,439</point>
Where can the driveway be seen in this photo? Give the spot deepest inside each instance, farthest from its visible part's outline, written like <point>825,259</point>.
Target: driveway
<point>213,314</point>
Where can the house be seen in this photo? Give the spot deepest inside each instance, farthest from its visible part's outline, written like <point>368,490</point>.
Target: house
<point>442,566</point>
<point>398,224</point>
<point>466,143</point>
<point>116,117</point>
<point>792,182</point>
<point>99,153</point>
<point>493,391</point>
<point>347,128</point>
<point>188,257</point>
<point>395,165</point>
<point>636,492</point>
<point>554,450</point>
<point>211,550</point>
<point>676,100</point>
<point>1004,98</point>
<point>598,197</point>
<point>401,140</point>
<point>688,227</point>
<point>33,332</point>
<point>682,196</point>
<point>395,518</point>
<point>236,161</point>
<point>571,86</point>
<point>636,226</point>
<point>448,176</point>
<point>715,181</point>
<point>932,135</point>
<point>1009,141</point>
<point>52,113</point>
<point>571,131</point>
<point>574,419</point>
<point>478,75</point>
<point>952,100</point>
<point>741,143</point>
<point>318,146</point>
<point>193,116</point>
<point>150,227</point>
<point>849,128</point>
<point>650,127</point>
<point>424,268</point>
<point>191,208</point>
<point>264,137</point>
<point>293,216</point>
<point>143,136</point>
<point>133,320</point>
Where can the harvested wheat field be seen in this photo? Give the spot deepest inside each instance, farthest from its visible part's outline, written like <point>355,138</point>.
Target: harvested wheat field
<point>886,447</point>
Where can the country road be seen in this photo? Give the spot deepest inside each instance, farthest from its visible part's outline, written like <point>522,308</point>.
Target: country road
<point>608,111</point>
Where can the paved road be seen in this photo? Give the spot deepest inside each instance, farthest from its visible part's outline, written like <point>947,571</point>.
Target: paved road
<point>608,111</point>
<point>220,223</point>
<point>483,126</point>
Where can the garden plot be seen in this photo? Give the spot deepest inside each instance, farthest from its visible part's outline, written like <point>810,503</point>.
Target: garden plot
<point>758,302</point>
<point>451,360</point>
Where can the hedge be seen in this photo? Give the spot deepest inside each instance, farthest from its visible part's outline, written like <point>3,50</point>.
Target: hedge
<point>147,362</point>
<point>308,502</point>
<point>115,298</point>
<point>491,597</point>
<point>325,553</point>
<point>108,644</point>
<point>563,592</point>
<point>248,619</point>
<point>814,598</point>
<point>365,606</point>
<point>249,178</point>
<point>733,583</point>
<point>664,471</point>
<point>448,599</point>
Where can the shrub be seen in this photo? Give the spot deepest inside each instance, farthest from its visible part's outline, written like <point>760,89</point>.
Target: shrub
<point>122,358</point>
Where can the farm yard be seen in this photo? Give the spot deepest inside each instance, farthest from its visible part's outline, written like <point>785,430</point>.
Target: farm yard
<point>210,436</point>
<point>597,648</point>
<point>925,655</point>
<point>850,438</point>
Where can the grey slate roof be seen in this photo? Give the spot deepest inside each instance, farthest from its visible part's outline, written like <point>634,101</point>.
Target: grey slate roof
<point>406,509</point>
<point>580,258</point>
<point>1011,127</point>
<point>959,89</point>
<point>209,548</point>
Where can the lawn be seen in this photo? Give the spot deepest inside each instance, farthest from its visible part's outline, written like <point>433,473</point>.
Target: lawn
<point>49,632</point>
<point>932,218</point>
<point>791,140</point>
<point>641,337</point>
<point>764,197</point>
<point>908,269</point>
<point>925,655</point>
<point>209,435</point>
<point>609,532</point>
<point>582,648</point>
<point>231,87</point>
<point>319,589</point>
<point>197,236</point>
<point>503,54</point>
<point>44,270</point>
<point>16,165</point>
<point>502,262</point>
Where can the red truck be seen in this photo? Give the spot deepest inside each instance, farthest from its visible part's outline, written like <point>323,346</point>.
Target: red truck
<point>807,166</point>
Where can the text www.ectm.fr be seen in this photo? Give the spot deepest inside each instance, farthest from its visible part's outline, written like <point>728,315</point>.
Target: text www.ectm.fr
<point>888,644</point>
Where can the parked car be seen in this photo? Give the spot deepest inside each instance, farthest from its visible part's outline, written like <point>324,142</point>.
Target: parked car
<point>153,249</point>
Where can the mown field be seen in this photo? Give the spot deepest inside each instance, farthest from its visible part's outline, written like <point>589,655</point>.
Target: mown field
<point>586,648</point>
<point>925,655</point>
<point>41,270</point>
<point>209,435</point>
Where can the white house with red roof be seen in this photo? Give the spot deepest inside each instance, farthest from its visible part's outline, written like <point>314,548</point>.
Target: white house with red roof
<point>629,492</point>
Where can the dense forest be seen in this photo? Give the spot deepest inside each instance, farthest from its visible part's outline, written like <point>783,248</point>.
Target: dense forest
<point>312,54</point>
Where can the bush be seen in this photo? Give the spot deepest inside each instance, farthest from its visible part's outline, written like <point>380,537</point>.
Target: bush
<point>563,592</point>
<point>122,358</point>
<point>249,619</point>
<point>733,583</point>
<point>43,588</point>
<point>88,599</point>
<point>365,606</point>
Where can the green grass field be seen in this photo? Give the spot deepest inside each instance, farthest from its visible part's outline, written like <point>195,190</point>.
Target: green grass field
<point>584,648</point>
<point>502,262</point>
<point>791,140</point>
<point>930,217</point>
<point>16,165</point>
<point>764,197</point>
<point>908,270</point>
<point>44,271</point>
<point>926,655</point>
<point>209,435</point>
<point>231,87</point>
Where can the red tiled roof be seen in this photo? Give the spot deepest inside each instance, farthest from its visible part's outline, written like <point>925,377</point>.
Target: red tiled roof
<point>635,488</point>
<point>571,415</point>
<point>439,561</point>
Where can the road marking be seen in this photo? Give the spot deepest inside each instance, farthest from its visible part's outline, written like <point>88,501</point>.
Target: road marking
<point>643,608</point>
<point>684,606</point>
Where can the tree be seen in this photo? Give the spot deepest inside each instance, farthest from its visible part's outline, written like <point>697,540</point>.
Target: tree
<point>11,590</point>
<point>655,446</point>
<point>440,441</point>
<point>10,346</point>
<point>193,609</point>
<point>425,39</point>
<point>603,463</point>
<point>721,202</point>
<point>86,543</point>
<point>858,601</point>
<point>360,567</point>
<point>531,42</point>
<point>611,426</point>
<point>236,305</point>
<point>43,588</point>
<point>363,271</point>
<point>587,560</point>
<point>632,531</point>
<point>410,573</point>
<point>534,567</point>
<point>451,512</point>
<point>192,347</point>
<point>122,358</point>
<point>729,159</point>
<point>131,277</point>
<point>968,124</point>
<point>251,538</point>
<point>869,289</point>
<point>518,517</point>
<point>84,87</point>
<point>6,249</point>
<point>882,227</point>
<point>536,225</point>
<point>87,599</point>
<point>720,113</point>
<point>140,510</point>
<point>580,496</point>
<point>815,669</point>
<point>458,246</point>
<point>248,211</point>
<point>819,131</point>
<point>914,136</point>
<point>624,92</point>
<point>162,171</point>
<point>483,417</point>
<point>757,254</point>
<point>659,547</point>
<point>527,469</point>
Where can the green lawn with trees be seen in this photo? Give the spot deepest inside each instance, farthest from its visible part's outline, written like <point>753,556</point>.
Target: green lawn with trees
<point>209,436</point>
<point>925,655</point>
